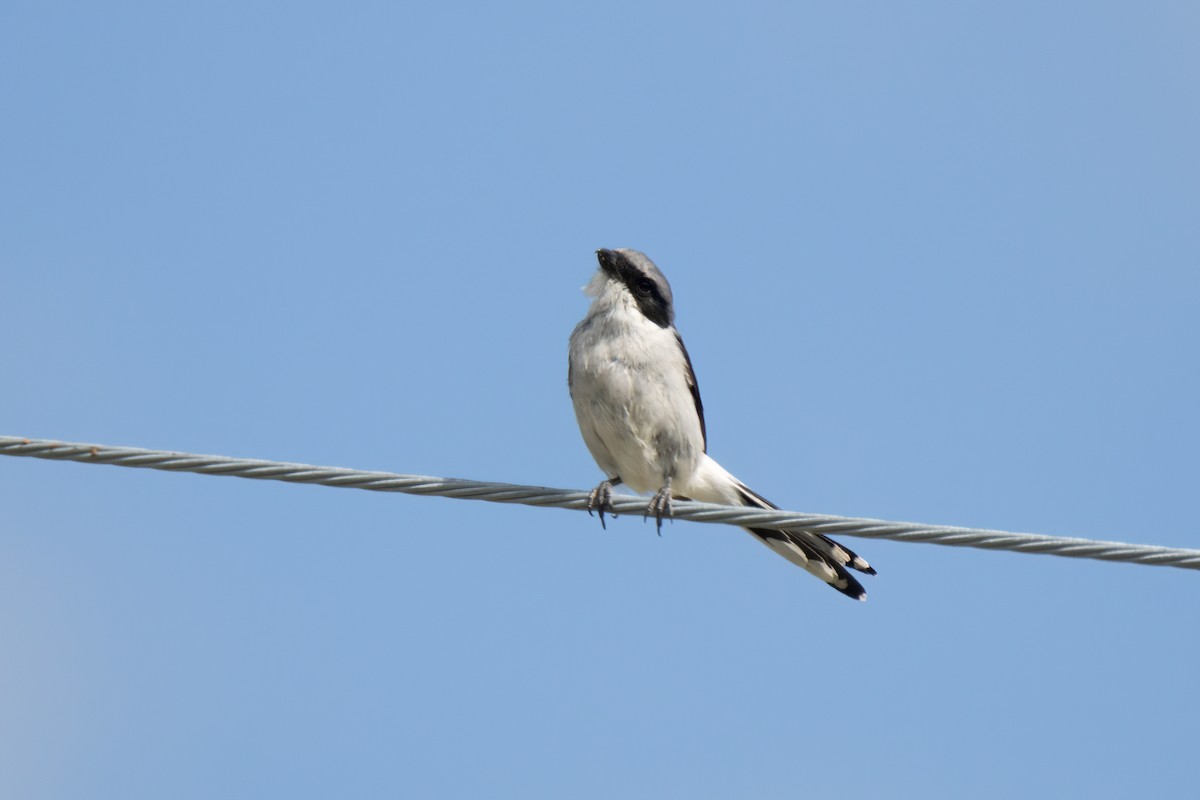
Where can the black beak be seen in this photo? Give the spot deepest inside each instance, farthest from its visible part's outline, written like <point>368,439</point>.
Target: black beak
<point>608,261</point>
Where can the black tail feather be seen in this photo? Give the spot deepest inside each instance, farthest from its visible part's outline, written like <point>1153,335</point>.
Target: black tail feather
<point>817,548</point>
<point>844,582</point>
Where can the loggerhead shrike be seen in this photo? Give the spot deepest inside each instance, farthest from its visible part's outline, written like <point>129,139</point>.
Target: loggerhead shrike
<point>639,411</point>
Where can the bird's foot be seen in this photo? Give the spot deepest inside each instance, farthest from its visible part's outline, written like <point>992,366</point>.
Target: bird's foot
<point>601,500</point>
<point>660,504</point>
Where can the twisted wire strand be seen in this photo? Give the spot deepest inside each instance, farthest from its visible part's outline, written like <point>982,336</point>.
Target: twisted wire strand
<point>572,499</point>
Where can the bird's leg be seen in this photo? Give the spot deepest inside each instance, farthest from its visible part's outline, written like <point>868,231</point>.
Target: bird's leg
<point>601,499</point>
<point>660,504</point>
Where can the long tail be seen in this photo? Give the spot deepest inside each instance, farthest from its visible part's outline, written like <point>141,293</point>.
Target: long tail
<point>815,552</point>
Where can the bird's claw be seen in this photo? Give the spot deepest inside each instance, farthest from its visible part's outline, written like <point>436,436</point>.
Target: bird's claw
<point>660,504</point>
<point>601,500</point>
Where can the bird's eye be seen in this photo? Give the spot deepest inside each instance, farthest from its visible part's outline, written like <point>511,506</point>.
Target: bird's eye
<point>643,285</point>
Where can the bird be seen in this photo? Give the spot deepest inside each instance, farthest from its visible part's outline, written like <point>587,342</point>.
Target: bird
<point>638,406</point>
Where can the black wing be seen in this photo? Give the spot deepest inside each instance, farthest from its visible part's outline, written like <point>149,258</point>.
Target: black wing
<point>695,389</point>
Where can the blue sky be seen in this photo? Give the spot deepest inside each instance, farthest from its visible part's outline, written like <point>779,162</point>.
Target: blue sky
<point>933,262</point>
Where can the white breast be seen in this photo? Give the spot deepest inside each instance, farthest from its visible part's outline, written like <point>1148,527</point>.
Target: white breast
<point>629,386</point>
